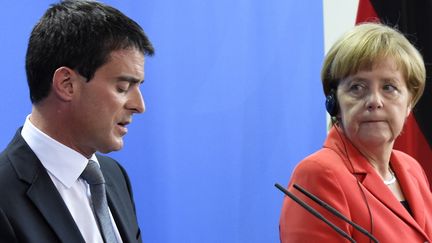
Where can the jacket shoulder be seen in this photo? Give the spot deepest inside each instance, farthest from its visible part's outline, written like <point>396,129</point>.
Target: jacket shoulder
<point>406,160</point>
<point>323,159</point>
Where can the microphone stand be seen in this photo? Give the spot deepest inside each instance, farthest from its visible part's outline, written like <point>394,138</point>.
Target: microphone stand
<point>328,208</point>
<point>315,213</point>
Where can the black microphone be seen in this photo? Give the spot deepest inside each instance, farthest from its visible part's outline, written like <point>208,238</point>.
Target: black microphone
<point>315,213</point>
<point>335,212</point>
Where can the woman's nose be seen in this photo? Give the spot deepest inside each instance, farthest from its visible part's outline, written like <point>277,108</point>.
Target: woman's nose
<point>374,101</point>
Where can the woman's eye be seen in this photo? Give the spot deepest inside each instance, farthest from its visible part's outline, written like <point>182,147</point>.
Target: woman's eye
<point>356,88</point>
<point>389,87</point>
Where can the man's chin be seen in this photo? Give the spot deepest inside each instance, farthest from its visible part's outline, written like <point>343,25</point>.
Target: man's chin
<point>112,147</point>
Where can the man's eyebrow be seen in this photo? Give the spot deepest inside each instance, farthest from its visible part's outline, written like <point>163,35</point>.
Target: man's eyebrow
<point>130,79</point>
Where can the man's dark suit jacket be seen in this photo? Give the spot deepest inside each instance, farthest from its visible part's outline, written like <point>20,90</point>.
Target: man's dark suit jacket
<point>32,210</point>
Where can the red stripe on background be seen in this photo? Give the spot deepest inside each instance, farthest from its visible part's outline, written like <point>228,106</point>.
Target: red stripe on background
<point>366,12</point>
<point>412,140</point>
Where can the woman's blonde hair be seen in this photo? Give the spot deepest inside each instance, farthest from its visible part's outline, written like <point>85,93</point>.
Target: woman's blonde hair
<point>363,46</point>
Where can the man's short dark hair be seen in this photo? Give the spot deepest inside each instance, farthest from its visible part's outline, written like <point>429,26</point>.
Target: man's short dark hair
<point>79,35</point>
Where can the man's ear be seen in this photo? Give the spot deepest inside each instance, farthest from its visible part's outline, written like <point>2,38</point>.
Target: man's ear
<point>62,83</point>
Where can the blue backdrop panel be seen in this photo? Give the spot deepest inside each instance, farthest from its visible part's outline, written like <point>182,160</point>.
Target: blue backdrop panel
<point>233,100</point>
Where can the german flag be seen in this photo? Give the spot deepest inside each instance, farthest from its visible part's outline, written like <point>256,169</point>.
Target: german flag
<point>414,19</point>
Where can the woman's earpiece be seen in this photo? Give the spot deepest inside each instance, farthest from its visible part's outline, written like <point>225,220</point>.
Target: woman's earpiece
<point>331,103</point>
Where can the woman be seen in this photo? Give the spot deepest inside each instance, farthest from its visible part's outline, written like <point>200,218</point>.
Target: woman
<point>372,78</point>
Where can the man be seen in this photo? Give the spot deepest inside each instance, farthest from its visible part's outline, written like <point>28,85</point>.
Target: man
<point>84,64</point>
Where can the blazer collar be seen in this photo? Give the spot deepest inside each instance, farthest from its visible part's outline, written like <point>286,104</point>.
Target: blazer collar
<point>41,191</point>
<point>358,165</point>
<point>407,178</point>
<point>117,204</point>
<point>118,214</point>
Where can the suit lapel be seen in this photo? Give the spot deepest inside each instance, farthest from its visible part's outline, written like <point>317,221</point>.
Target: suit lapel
<point>42,191</point>
<point>117,200</point>
<point>51,205</point>
<point>376,187</point>
<point>373,183</point>
<point>410,188</point>
<point>118,213</point>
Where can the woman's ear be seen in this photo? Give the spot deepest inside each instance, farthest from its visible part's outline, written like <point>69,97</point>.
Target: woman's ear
<point>409,108</point>
<point>62,83</point>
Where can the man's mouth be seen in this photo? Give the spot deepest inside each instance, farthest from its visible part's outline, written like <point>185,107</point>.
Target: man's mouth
<point>122,125</point>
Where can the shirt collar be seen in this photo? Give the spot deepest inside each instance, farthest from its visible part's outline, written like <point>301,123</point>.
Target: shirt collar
<point>64,163</point>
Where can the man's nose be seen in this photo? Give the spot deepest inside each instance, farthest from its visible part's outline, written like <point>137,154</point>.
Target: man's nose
<point>136,102</point>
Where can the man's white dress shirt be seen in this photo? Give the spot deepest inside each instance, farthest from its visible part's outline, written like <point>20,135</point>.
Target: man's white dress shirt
<point>65,165</point>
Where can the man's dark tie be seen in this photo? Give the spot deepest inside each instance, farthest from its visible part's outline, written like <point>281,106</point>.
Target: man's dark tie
<point>93,175</point>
